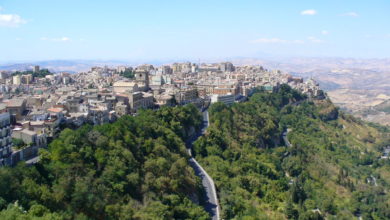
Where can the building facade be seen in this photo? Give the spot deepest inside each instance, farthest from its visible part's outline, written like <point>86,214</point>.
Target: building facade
<point>5,138</point>
<point>226,99</point>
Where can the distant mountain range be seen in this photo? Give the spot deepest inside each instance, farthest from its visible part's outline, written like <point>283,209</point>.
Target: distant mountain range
<point>300,65</point>
<point>71,66</point>
<point>74,66</point>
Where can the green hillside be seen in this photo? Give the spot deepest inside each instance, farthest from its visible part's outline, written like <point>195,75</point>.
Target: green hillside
<point>328,172</point>
<point>135,168</point>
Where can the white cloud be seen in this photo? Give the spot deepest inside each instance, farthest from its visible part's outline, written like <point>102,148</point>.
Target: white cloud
<point>61,39</point>
<point>315,40</point>
<point>269,40</point>
<point>324,32</point>
<point>65,39</point>
<point>298,42</point>
<point>350,14</point>
<point>18,39</point>
<point>11,20</point>
<point>309,12</point>
<point>276,41</point>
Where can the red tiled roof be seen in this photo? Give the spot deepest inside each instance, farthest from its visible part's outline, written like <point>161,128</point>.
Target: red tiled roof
<point>56,110</point>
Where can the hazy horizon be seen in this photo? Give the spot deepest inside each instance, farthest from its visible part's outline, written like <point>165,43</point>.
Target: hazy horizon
<point>207,60</point>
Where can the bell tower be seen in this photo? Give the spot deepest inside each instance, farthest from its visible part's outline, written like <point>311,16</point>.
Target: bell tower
<point>142,76</point>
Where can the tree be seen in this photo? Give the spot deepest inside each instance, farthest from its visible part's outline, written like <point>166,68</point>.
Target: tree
<point>290,211</point>
<point>127,74</point>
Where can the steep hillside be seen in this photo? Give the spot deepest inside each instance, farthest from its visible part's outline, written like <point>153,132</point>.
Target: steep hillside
<point>135,168</point>
<point>332,169</point>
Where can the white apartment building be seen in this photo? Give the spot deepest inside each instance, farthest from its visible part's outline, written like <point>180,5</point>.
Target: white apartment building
<point>227,99</point>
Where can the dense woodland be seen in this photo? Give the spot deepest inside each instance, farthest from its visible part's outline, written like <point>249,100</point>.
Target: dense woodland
<point>137,167</point>
<point>328,172</point>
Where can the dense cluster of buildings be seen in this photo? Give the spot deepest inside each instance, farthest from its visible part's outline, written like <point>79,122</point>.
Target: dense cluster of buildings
<point>34,110</point>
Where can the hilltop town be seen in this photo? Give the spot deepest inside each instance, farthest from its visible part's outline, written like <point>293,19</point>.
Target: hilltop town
<point>37,104</point>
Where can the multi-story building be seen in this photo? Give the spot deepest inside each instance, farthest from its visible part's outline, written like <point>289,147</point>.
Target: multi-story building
<point>176,68</point>
<point>226,67</point>
<point>3,75</point>
<point>227,99</point>
<point>166,70</point>
<point>156,80</point>
<point>186,95</point>
<point>16,107</point>
<point>194,68</point>
<point>16,80</point>
<point>138,100</point>
<point>26,79</point>
<point>121,109</point>
<point>164,100</point>
<point>186,67</point>
<point>226,89</point>
<point>5,138</point>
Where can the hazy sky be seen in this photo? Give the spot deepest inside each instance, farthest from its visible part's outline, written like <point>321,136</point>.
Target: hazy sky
<point>192,29</point>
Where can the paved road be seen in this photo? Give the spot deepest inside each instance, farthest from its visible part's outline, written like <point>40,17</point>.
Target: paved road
<point>32,160</point>
<point>284,135</point>
<point>211,205</point>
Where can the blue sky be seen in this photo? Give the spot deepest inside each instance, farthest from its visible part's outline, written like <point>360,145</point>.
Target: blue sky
<point>192,29</point>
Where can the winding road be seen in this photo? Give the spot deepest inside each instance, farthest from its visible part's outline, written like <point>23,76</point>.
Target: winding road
<point>285,139</point>
<point>211,205</point>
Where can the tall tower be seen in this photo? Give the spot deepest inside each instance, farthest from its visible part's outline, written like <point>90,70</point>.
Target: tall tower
<point>36,69</point>
<point>142,76</point>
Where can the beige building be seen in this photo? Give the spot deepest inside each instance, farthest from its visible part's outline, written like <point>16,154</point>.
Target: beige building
<point>185,96</point>
<point>123,87</point>
<point>26,79</point>
<point>138,100</point>
<point>164,100</point>
<point>16,107</point>
<point>121,109</point>
<point>16,80</point>
<point>226,89</point>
